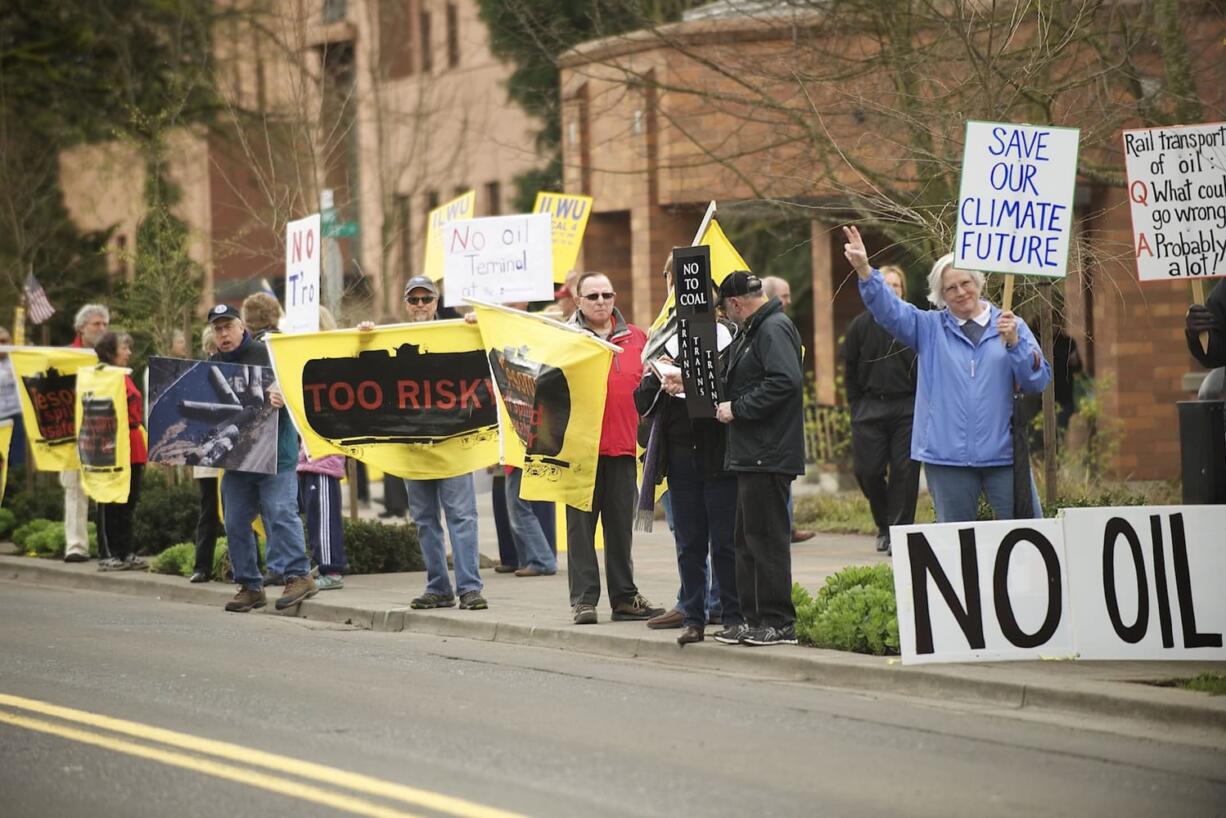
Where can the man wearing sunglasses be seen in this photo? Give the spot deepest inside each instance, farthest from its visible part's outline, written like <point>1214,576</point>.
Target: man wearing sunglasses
<point>614,493</point>
<point>453,496</point>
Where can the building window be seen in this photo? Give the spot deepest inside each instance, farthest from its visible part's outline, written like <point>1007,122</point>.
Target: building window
<point>453,36</point>
<point>427,56</point>
<point>493,198</point>
<point>460,190</point>
<point>431,199</point>
<point>334,11</point>
<point>395,40</point>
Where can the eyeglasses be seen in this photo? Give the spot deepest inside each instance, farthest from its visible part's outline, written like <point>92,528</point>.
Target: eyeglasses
<point>950,289</point>
<point>598,296</point>
<point>418,299</point>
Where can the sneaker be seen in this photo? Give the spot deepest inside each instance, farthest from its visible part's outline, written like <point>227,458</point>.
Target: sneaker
<point>733,634</point>
<point>766,636</point>
<point>330,582</point>
<point>245,600</point>
<point>114,564</point>
<point>296,590</point>
<point>136,563</point>
<point>635,608</point>
<point>883,542</point>
<point>428,600</point>
<point>585,614</point>
<point>473,601</point>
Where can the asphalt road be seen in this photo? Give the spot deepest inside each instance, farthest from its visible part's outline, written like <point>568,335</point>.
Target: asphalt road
<point>438,726</point>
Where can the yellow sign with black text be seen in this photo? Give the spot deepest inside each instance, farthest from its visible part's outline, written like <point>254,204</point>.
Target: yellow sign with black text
<point>103,444</point>
<point>47,385</point>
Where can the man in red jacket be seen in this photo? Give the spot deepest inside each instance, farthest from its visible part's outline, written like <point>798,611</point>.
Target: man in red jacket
<point>614,493</point>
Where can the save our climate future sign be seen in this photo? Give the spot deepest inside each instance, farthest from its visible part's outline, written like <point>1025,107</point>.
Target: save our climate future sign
<point>1015,207</point>
<point>1138,582</point>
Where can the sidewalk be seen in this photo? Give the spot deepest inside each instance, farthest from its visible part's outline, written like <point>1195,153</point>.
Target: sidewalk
<point>535,611</point>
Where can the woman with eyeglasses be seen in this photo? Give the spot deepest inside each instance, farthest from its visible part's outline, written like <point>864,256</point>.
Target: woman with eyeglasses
<point>972,357</point>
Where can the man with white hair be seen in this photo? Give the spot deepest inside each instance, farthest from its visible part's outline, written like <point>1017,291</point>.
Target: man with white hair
<point>91,323</point>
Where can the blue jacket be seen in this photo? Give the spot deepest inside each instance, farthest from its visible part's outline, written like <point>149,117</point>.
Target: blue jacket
<point>964,397</point>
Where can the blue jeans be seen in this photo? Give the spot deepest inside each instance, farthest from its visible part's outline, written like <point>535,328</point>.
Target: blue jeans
<point>458,503</point>
<point>531,542</point>
<point>274,497</point>
<point>704,513</point>
<point>956,489</point>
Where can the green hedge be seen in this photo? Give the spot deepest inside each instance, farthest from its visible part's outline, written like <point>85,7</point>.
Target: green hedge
<point>45,538</point>
<point>854,611</point>
<point>379,548</point>
<point>8,522</point>
<point>166,513</point>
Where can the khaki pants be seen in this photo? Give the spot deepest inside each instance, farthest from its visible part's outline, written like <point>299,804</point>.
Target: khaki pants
<point>76,514</point>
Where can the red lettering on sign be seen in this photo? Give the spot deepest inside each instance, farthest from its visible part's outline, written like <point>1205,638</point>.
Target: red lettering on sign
<point>315,390</point>
<point>373,389</point>
<point>407,393</point>
<point>336,403</point>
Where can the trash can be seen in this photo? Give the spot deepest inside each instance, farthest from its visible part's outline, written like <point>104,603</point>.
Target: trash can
<point>1202,445</point>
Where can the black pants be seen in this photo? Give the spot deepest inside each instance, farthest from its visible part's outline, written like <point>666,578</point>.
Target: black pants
<point>613,503</point>
<point>207,524</point>
<point>395,496</point>
<point>881,440</point>
<point>115,520</point>
<point>763,542</point>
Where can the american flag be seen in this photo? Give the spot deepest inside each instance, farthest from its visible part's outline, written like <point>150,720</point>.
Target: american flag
<point>38,306</point>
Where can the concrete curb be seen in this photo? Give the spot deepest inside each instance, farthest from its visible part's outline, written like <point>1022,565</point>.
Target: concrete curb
<point>992,684</point>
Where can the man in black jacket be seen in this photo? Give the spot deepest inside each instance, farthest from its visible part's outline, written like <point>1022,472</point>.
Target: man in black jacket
<point>764,413</point>
<point>880,381</point>
<point>1208,318</point>
<point>244,495</point>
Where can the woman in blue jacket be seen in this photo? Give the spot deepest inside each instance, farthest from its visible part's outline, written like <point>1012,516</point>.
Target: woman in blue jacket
<point>971,358</point>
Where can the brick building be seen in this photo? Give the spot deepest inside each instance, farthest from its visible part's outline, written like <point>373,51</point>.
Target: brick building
<point>657,123</point>
<point>391,107</point>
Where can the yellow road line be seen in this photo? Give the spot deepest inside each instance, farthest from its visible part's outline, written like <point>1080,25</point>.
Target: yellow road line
<point>263,781</point>
<point>282,764</point>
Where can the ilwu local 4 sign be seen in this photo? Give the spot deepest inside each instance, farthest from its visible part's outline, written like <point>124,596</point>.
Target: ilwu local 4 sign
<point>1137,582</point>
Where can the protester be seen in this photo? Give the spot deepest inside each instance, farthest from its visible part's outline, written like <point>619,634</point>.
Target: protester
<point>261,313</point>
<point>319,499</point>
<point>614,491</point>
<point>454,497</point>
<point>1209,318</point>
<point>208,521</point>
<point>178,345</point>
<point>972,357</point>
<point>115,519</point>
<point>703,498</point>
<point>91,323</point>
<point>776,287</point>
<point>272,496</point>
<point>765,416</point>
<point>880,376</point>
<point>10,403</point>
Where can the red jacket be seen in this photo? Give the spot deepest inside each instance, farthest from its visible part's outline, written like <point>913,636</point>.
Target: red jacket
<point>136,417</point>
<point>618,432</point>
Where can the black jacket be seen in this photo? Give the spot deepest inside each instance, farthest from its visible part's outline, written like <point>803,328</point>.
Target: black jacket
<point>1215,355</point>
<point>764,383</point>
<point>875,364</point>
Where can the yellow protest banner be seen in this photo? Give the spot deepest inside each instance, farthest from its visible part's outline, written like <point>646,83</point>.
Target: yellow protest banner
<point>724,260</point>
<point>552,381</point>
<point>569,212</point>
<point>413,400</point>
<point>103,445</point>
<point>47,386</point>
<point>6,440</point>
<point>461,207</point>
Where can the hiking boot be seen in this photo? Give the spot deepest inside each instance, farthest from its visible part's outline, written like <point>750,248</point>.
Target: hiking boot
<point>114,564</point>
<point>473,601</point>
<point>428,600</point>
<point>245,600</point>
<point>584,614</point>
<point>330,582</point>
<point>637,607</point>
<point>296,590</point>
<point>766,636</point>
<point>733,634</point>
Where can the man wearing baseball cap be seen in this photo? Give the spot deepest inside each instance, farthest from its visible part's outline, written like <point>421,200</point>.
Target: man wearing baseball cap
<point>247,494</point>
<point>764,414</point>
<point>454,497</point>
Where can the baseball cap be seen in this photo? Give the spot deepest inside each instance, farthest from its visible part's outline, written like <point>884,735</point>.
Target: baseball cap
<point>740,282</point>
<point>420,283</point>
<point>224,311</point>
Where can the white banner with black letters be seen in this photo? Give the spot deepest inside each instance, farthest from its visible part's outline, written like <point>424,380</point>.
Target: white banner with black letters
<point>1137,582</point>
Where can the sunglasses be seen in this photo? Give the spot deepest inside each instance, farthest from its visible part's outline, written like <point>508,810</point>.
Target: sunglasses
<point>598,296</point>
<point>419,299</point>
